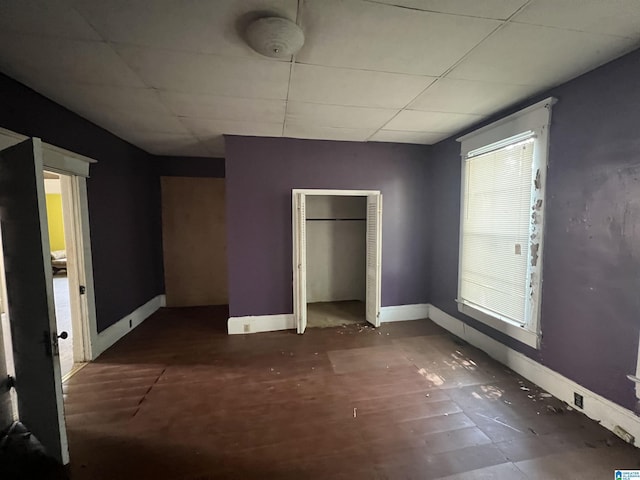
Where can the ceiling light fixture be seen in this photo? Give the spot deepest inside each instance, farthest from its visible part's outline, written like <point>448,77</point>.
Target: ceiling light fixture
<point>275,37</point>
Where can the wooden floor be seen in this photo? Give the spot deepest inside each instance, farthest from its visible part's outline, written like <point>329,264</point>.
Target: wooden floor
<point>179,399</point>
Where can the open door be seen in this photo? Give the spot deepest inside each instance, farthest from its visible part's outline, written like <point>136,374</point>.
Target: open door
<point>300,261</point>
<point>6,402</point>
<point>374,258</point>
<point>27,263</point>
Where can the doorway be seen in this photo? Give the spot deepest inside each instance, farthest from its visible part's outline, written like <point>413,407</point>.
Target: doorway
<point>336,232</point>
<point>71,320</point>
<point>337,245</point>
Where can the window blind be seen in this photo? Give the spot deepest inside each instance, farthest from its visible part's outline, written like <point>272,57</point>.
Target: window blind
<point>495,229</point>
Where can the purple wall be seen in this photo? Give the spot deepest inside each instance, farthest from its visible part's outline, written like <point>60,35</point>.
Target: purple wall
<point>591,279</point>
<point>124,207</point>
<point>260,174</point>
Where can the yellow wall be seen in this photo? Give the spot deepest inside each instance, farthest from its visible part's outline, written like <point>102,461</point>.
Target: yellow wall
<point>55,221</point>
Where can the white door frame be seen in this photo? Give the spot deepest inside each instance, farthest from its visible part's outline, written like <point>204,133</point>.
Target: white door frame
<point>76,270</point>
<point>76,168</point>
<point>300,277</point>
<point>6,334</point>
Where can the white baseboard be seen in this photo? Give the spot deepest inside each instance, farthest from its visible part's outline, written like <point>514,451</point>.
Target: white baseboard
<point>115,332</point>
<point>400,313</point>
<point>598,408</point>
<point>286,321</point>
<point>260,323</point>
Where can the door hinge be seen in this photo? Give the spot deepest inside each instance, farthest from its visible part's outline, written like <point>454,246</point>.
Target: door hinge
<point>51,343</point>
<point>9,383</point>
<point>83,289</point>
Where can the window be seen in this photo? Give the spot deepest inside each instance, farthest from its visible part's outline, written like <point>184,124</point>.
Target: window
<point>501,226</point>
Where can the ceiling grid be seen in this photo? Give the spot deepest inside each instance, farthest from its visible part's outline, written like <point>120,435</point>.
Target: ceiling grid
<point>173,77</point>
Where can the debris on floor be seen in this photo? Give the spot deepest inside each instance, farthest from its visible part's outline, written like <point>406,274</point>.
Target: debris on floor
<point>500,422</point>
<point>230,390</point>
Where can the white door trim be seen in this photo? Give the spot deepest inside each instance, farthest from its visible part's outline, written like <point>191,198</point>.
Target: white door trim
<point>298,276</point>
<point>80,268</point>
<point>54,158</point>
<point>76,166</point>
<point>336,193</point>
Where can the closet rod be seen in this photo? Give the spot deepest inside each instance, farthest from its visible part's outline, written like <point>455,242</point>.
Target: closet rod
<point>336,219</point>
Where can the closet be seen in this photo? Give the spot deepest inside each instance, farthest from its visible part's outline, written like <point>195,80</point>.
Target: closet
<point>336,229</point>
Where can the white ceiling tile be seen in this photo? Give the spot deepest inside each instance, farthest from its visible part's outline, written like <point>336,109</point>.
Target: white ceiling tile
<point>83,98</point>
<point>337,116</point>
<point>539,56</point>
<point>436,122</point>
<point>35,60</point>
<point>498,9</point>
<point>209,74</point>
<point>224,108</point>
<point>188,25</point>
<point>340,86</point>
<point>185,150</point>
<point>613,17</point>
<point>168,144</point>
<point>395,136</point>
<point>310,131</point>
<point>373,36</point>
<point>466,96</point>
<point>119,122</point>
<point>205,127</point>
<point>44,18</point>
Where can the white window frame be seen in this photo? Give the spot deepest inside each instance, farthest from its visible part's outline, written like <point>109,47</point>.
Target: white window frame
<point>536,119</point>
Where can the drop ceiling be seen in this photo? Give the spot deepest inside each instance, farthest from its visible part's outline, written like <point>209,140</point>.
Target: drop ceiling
<point>173,76</point>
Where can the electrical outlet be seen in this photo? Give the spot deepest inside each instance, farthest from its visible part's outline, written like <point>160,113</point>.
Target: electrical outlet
<point>247,328</point>
<point>578,401</point>
<point>130,323</point>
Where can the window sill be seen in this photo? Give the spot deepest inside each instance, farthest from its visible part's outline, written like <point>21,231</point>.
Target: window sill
<point>515,331</point>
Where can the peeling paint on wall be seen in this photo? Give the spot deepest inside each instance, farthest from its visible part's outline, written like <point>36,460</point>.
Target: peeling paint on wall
<point>534,218</point>
<point>534,254</point>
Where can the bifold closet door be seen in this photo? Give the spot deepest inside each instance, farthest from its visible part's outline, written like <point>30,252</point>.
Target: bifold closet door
<point>374,258</point>
<point>194,241</point>
<point>300,261</point>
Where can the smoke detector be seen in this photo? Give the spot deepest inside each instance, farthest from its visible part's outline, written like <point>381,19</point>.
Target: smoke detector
<point>275,37</point>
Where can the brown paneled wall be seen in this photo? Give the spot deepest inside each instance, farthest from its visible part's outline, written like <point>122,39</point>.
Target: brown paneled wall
<point>194,241</point>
